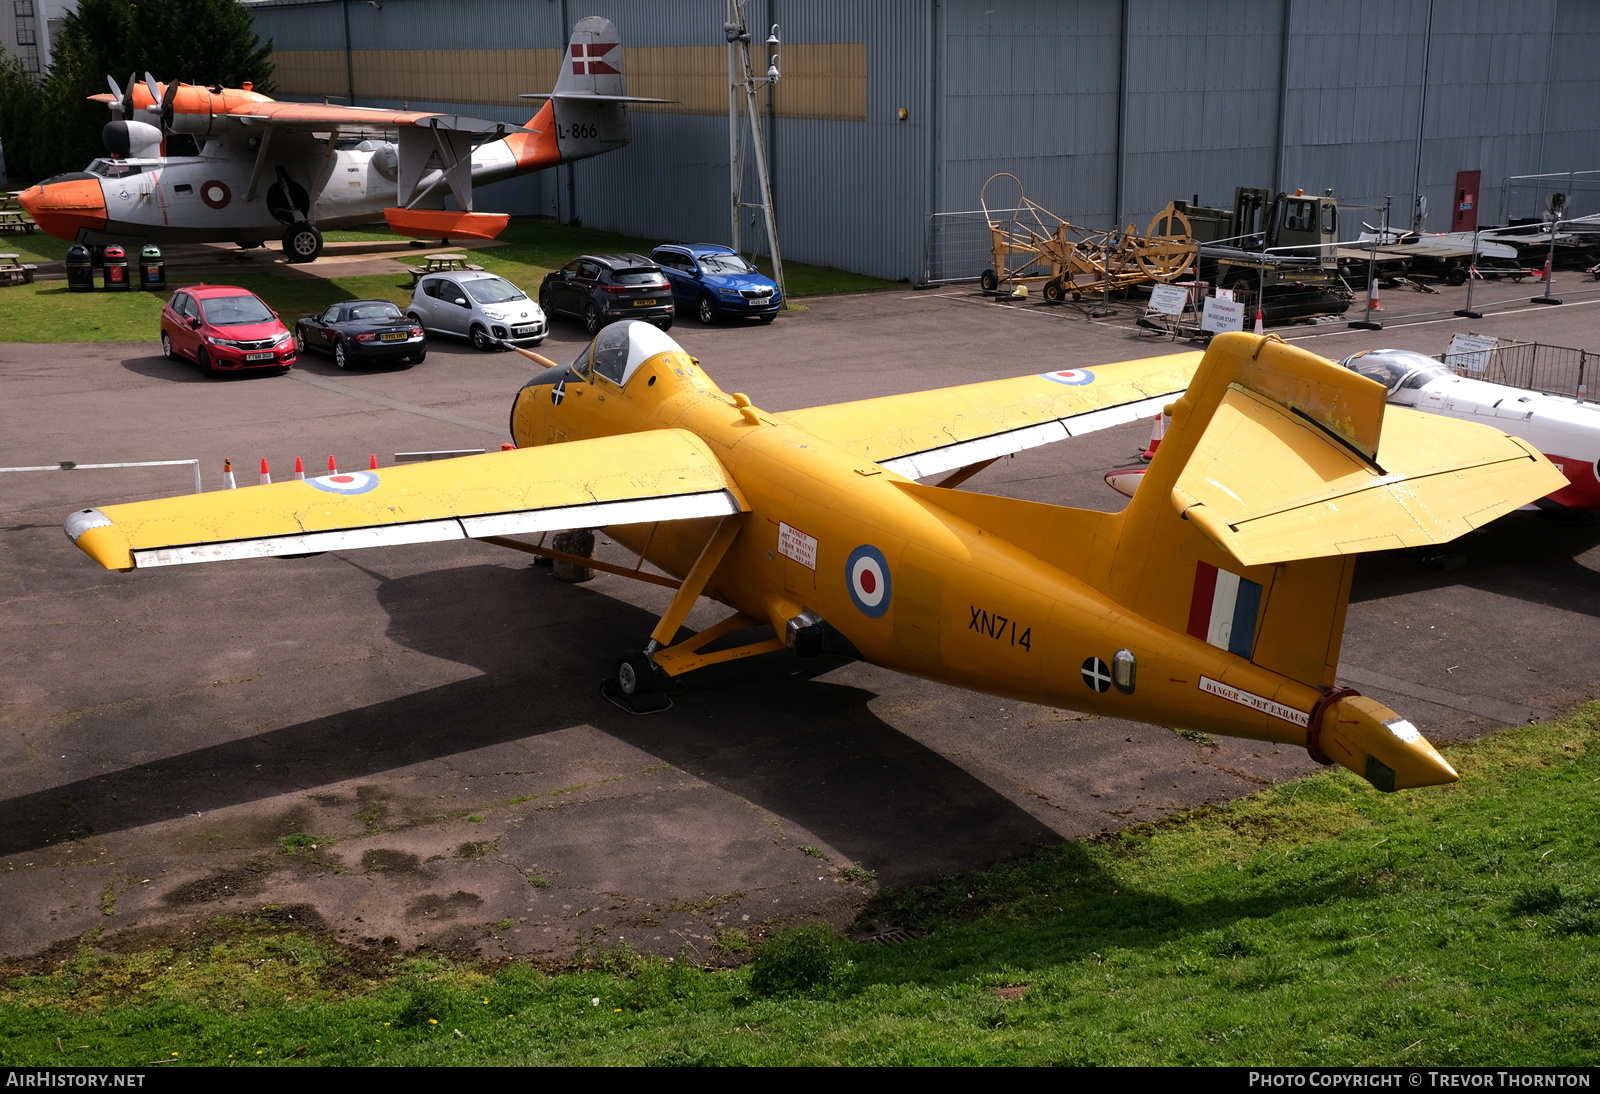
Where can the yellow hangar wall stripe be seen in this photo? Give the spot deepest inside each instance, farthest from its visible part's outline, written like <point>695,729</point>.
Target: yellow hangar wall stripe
<point>826,81</point>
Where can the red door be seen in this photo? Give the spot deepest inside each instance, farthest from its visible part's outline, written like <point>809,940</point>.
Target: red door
<point>1465,215</point>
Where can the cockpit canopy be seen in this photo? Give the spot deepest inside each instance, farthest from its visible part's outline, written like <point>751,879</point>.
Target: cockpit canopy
<point>1396,369</point>
<point>619,349</point>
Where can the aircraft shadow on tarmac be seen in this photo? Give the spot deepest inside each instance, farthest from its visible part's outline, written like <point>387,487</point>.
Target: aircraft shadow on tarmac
<point>1522,555</point>
<point>761,729</point>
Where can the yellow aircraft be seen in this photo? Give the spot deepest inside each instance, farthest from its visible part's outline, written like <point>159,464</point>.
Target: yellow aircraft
<point>1215,601</point>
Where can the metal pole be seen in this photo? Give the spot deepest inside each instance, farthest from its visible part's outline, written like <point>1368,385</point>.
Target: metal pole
<point>765,183</point>
<point>735,28</point>
<point>1472,275</point>
<point>349,67</point>
<point>1366,322</point>
<point>1549,296</point>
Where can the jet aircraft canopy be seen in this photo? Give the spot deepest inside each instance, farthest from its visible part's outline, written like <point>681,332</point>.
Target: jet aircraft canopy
<point>619,349</point>
<point>1397,369</point>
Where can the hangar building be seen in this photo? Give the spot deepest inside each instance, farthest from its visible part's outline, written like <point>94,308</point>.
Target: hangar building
<point>1105,109</point>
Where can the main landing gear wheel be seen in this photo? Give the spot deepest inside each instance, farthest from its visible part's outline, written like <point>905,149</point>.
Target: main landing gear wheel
<point>1054,292</point>
<point>989,281</point>
<point>302,243</point>
<point>634,684</point>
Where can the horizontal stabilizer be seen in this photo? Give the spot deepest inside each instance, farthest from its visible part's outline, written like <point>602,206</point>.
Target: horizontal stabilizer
<point>590,97</point>
<point>664,474</point>
<point>1267,487</point>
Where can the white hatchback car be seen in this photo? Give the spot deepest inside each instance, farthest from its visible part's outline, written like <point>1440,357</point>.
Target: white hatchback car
<point>485,308</point>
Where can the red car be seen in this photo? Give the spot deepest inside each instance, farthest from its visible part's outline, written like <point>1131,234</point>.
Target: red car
<point>223,329</point>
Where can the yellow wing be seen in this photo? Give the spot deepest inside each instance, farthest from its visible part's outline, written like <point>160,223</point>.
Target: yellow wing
<point>666,474</point>
<point>929,432</point>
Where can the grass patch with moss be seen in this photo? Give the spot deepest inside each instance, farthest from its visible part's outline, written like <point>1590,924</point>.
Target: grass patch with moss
<point>1316,923</point>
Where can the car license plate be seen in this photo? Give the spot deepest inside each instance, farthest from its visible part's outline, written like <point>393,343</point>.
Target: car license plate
<point>396,336</point>
<point>258,357</point>
<point>761,300</point>
<point>642,303</point>
<point>523,332</point>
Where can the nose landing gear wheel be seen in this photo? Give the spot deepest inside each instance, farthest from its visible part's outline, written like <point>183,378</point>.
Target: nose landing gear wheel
<point>633,685</point>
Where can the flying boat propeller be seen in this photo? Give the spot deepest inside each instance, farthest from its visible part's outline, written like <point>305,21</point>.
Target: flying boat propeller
<point>122,102</point>
<point>162,96</point>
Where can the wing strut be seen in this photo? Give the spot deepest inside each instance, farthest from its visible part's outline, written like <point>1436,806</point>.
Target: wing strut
<point>693,584</point>
<point>261,163</point>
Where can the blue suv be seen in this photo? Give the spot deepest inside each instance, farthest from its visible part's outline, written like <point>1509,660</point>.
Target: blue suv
<point>715,283</point>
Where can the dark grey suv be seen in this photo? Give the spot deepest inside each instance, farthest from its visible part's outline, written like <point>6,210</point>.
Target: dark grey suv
<point>600,289</point>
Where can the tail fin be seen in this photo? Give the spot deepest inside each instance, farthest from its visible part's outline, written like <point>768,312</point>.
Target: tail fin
<point>593,63</point>
<point>588,108</point>
<point>1278,468</point>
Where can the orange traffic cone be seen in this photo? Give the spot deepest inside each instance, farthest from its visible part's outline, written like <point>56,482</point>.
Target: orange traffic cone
<point>1261,321</point>
<point>1544,273</point>
<point>266,473</point>
<point>299,470</point>
<point>372,461</point>
<point>507,446</point>
<point>333,466</point>
<point>227,475</point>
<point>1373,303</point>
<point>1158,430</point>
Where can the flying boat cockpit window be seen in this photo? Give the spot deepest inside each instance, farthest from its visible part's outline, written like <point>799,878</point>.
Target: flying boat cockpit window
<point>114,169</point>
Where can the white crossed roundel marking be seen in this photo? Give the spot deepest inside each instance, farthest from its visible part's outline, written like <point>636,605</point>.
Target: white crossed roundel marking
<point>1096,674</point>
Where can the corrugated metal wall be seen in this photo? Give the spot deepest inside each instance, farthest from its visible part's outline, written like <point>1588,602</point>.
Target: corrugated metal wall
<point>1103,108</point>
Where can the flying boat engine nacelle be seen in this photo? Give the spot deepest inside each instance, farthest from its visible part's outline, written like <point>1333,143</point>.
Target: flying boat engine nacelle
<point>137,139</point>
<point>385,157</point>
<point>202,125</point>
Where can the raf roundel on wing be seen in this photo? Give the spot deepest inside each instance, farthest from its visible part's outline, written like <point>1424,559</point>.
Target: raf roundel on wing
<point>1076,377</point>
<point>346,482</point>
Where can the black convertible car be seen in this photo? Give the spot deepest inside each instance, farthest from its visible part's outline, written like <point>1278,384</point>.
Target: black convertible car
<point>362,331</point>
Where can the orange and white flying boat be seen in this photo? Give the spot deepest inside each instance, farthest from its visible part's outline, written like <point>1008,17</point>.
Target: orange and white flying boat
<point>270,169</point>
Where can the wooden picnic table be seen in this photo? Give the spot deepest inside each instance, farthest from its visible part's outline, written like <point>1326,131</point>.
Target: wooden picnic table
<point>441,263</point>
<point>15,220</point>
<point>13,272</point>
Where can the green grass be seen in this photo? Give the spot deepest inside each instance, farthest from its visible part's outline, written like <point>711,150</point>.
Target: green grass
<point>47,312</point>
<point>1319,922</point>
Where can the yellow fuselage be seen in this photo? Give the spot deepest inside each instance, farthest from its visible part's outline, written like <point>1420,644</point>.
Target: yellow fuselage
<point>963,606</point>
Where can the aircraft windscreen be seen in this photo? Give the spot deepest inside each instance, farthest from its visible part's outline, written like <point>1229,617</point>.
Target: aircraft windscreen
<point>1396,368</point>
<point>493,291</point>
<point>725,264</point>
<point>114,169</point>
<point>375,311</point>
<point>235,311</point>
<point>621,348</point>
